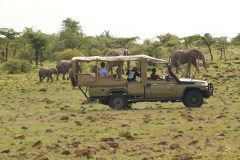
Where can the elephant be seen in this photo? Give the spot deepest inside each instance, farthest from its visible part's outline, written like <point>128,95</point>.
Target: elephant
<point>117,52</point>
<point>47,72</point>
<point>179,57</point>
<point>63,67</point>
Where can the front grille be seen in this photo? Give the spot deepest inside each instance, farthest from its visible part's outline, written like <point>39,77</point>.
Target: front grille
<point>210,87</point>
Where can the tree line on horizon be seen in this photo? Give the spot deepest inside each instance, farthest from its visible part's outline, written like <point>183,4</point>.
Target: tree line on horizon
<point>36,46</point>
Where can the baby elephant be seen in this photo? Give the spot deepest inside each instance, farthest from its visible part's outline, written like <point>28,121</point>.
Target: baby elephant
<point>47,72</point>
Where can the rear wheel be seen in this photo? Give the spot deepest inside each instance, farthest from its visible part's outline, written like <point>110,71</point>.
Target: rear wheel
<point>193,99</point>
<point>118,101</point>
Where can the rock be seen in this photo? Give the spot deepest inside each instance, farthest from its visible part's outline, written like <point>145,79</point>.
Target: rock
<point>177,136</point>
<point>193,142</point>
<point>73,115</point>
<point>163,143</point>
<point>208,142</point>
<point>65,152</point>
<point>91,118</point>
<point>113,144</point>
<point>104,145</point>
<point>5,151</point>
<point>92,150</point>
<point>24,127</point>
<point>19,137</point>
<point>49,131</point>
<point>64,118</point>
<point>37,143</point>
<point>82,152</point>
<point>183,157</point>
<point>43,90</point>
<point>174,146</point>
<point>112,150</point>
<point>125,125</point>
<point>75,144</point>
<point>78,123</point>
<point>107,139</point>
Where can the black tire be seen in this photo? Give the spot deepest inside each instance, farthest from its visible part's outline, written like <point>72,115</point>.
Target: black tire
<point>118,101</point>
<point>193,99</point>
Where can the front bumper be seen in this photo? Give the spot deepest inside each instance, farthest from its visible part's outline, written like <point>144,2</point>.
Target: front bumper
<point>210,90</point>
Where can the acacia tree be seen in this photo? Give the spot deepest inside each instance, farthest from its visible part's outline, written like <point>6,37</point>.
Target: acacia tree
<point>190,41</point>
<point>208,40</point>
<point>6,36</point>
<point>169,41</point>
<point>38,41</point>
<point>222,43</point>
<point>71,34</point>
<point>236,40</point>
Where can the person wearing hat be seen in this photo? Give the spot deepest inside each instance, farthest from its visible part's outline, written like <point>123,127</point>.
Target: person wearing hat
<point>132,74</point>
<point>154,76</point>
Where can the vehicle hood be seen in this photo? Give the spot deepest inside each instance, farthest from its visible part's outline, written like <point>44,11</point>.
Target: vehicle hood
<point>193,80</point>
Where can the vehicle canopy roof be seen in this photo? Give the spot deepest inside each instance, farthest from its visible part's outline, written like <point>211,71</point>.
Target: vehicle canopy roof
<point>120,58</point>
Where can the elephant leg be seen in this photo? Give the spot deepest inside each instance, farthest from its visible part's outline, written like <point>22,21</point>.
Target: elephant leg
<point>51,78</point>
<point>189,69</point>
<point>63,76</point>
<point>177,68</point>
<point>195,65</point>
<point>42,78</point>
<point>119,72</point>
<point>48,79</point>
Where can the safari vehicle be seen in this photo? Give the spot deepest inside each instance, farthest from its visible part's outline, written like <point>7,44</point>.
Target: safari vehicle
<point>120,94</point>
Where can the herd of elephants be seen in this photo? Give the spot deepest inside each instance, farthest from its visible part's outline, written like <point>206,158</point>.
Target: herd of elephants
<point>176,59</point>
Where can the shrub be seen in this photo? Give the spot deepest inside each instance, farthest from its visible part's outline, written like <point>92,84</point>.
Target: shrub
<point>67,54</point>
<point>17,66</point>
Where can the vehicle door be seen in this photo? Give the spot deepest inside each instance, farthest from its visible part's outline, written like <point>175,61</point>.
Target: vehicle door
<point>161,89</point>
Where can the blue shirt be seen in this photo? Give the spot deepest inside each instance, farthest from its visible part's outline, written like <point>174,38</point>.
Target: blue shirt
<point>102,72</point>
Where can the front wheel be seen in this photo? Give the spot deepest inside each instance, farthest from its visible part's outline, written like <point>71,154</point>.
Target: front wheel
<point>118,101</point>
<point>193,99</point>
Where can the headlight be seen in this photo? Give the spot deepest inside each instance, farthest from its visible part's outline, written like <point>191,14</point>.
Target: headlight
<point>204,85</point>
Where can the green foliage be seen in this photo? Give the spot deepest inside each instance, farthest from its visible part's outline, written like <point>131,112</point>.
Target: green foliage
<point>17,66</point>
<point>71,34</point>
<point>67,54</point>
<point>169,40</point>
<point>236,40</point>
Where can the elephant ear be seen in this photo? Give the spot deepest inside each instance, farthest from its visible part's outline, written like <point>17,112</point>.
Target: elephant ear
<point>194,53</point>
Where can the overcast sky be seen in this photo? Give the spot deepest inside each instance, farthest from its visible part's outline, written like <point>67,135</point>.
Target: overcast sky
<point>126,18</point>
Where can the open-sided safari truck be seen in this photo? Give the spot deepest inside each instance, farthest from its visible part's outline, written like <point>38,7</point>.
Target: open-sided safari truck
<point>120,94</point>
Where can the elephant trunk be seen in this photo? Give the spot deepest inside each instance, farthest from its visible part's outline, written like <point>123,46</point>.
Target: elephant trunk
<point>204,62</point>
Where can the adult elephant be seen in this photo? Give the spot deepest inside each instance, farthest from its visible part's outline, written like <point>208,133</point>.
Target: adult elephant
<point>64,66</point>
<point>119,64</point>
<point>179,57</point>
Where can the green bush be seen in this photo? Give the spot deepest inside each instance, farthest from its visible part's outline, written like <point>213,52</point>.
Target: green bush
<point>17,66</point>
<point>67,54</point>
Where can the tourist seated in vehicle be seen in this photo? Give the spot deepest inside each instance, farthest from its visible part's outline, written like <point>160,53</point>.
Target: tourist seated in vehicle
<point>102,71</point>
<point>132,74</point>
<point>153,75</point>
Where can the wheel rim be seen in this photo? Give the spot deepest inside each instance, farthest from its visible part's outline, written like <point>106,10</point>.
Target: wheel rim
<point>118,102</point>
<point>194,100</point>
